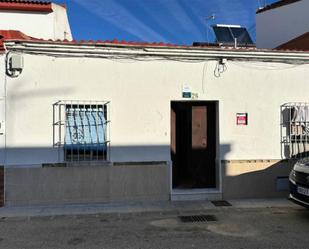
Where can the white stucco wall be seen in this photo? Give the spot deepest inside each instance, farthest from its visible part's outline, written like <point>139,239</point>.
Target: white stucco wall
<point>2,107</point>
<point>140,95</point>
<point>62,28</point>
<point>53,25</point>
<point>280,25</point>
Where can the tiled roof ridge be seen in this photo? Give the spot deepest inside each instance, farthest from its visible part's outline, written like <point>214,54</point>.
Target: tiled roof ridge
<point>114,41</point>
<point>276,5</point>
<point>24,5</point>
<point>26,2</point>
<point>18,36</point>
<point>15,35</point>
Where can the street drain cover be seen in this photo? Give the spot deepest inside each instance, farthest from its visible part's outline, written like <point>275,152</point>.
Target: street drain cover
<point>221,203</point>
<point>197,218</point>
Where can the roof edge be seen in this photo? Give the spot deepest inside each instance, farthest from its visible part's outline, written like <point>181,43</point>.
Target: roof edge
<point>12,34</point>
<point>276,5</point>
<point>182,54</point>
<point>42,7</point>
<point>12,39</point>
<point>85,45</point>
<point>300,43</point>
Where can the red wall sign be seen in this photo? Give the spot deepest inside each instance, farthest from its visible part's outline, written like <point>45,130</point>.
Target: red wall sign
<point>242,118</point>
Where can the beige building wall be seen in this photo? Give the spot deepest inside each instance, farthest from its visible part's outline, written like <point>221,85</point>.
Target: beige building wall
<point>255,178</point>
<point>95,184</point>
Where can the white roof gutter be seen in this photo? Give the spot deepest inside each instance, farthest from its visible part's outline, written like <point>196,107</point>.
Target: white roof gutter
<point>180,53</point>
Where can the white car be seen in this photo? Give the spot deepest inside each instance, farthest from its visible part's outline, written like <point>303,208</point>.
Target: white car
<point>299,182</point>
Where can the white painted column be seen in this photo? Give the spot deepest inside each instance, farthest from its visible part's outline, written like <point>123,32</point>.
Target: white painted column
<point>2,109</point>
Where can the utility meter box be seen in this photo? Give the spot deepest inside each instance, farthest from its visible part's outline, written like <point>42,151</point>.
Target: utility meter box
<point>16,62</point>
<point>2,127</point>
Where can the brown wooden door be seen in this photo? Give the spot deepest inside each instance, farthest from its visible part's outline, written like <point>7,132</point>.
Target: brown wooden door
<point>199,127</point>
<point>202,163</point>
<point>193,145</point>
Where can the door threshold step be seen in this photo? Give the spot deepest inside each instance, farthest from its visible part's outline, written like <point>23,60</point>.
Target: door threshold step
<point>196,195</point>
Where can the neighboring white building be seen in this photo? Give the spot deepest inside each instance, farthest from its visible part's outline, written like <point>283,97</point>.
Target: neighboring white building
<point>281,22</point>
<point>38,19</point>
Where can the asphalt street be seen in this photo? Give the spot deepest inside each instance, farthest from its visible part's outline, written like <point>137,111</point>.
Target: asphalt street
<point>277,227</point>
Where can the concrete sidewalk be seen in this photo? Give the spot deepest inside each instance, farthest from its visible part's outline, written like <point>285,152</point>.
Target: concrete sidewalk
<point>137,207</point>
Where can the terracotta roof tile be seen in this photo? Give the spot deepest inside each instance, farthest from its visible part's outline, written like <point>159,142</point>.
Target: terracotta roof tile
<point>26,2</point>
<point>24,5</point>
<point>2,50</point>
<point>12,35</point>
<point>17,36</point>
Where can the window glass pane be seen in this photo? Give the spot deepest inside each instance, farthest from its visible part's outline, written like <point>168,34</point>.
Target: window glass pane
<point>85,130</point>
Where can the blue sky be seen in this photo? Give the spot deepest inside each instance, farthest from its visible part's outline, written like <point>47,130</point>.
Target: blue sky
<point>173,21</point>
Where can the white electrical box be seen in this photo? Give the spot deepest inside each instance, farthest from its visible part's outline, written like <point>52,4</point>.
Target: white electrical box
<point>2,127</point>
<point>16,62</point>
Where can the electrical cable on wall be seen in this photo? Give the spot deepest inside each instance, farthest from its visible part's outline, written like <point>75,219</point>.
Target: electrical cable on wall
<point>180,56</point>
<point>130,58</point>
<point>205,67</point>
<point>220,69</point>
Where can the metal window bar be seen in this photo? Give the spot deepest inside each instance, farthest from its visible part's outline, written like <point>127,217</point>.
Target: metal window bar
<point>81,130</point>
<point>294,130</point>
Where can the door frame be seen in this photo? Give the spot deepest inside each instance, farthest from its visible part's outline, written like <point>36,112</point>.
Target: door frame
<point>218,170</point>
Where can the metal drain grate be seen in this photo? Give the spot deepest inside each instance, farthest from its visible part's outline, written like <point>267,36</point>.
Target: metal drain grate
<point>221,203</point>
<point>197,218</point>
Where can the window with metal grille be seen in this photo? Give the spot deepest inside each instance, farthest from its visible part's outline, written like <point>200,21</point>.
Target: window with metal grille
<point>81,130</point>
<point>295,130</point>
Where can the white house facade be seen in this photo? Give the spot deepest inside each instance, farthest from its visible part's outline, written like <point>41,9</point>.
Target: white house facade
<point>230,101</point>
<point>105,121</point>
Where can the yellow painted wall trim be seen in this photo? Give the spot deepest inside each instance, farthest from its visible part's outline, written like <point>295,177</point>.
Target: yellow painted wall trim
<point>257,161</point>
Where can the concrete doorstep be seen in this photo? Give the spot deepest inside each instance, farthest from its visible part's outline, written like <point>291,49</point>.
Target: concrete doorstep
<point>137,207</point>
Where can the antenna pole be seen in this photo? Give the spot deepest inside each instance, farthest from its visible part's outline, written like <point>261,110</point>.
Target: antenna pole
<point>260,4</point>
<point>212,17</point>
